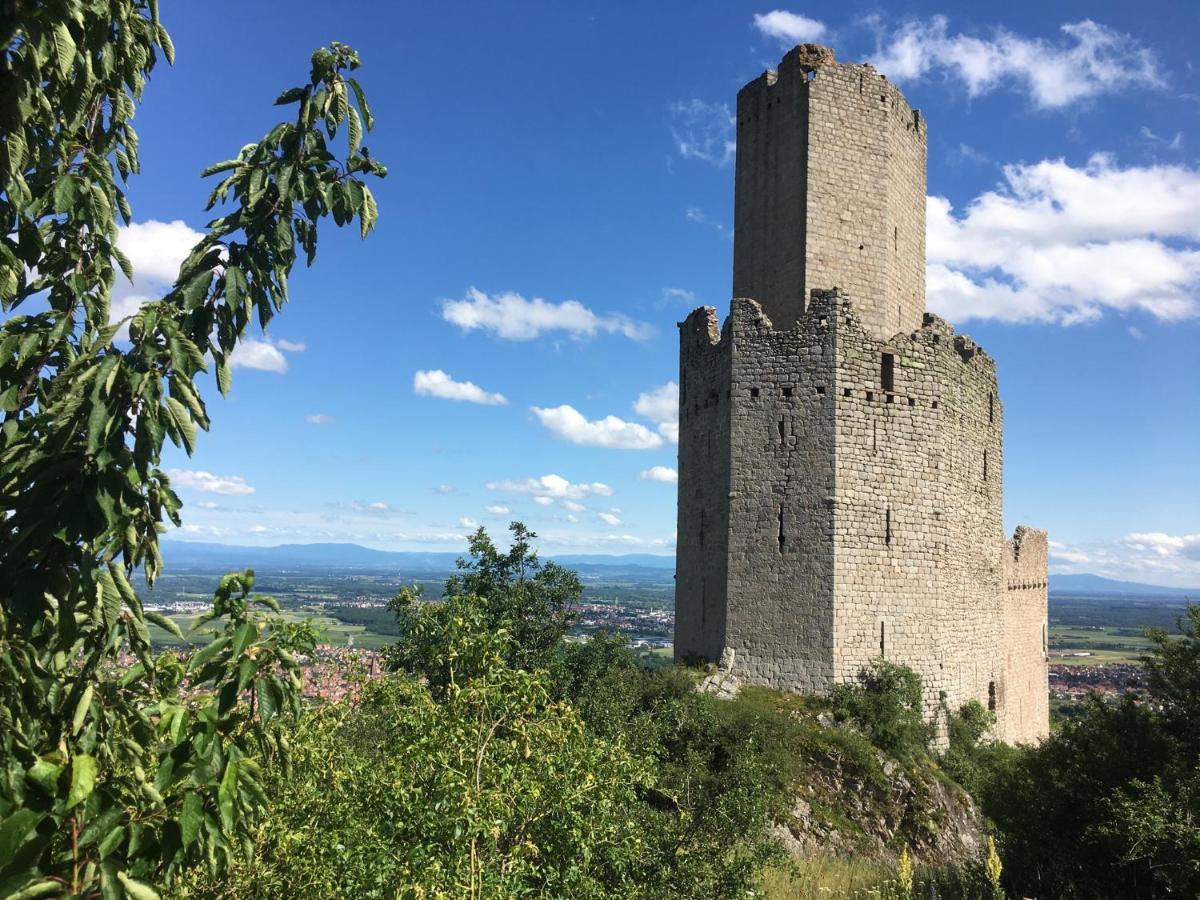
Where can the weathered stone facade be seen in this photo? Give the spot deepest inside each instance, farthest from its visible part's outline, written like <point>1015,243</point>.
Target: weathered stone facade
<point>840,450</point>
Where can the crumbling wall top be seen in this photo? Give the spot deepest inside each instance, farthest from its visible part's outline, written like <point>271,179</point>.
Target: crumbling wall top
<point>807,58</point>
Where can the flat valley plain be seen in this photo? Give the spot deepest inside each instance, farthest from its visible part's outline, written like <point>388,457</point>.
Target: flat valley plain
<point>349,606</point>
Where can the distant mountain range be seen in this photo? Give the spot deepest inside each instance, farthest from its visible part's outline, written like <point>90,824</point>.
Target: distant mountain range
<point>190,554</point>
<point>1095,584</point>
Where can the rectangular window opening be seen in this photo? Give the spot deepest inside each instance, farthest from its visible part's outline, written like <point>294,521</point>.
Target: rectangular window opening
<point>992,696</point>
<point>845,392</point>
<point>887,527</point>
<point>782,435</point>
<point>887,372</point>
<point>787,392</point>
<point>912,401</point>
<point>753,392</point>
<point>821,389</point>
<point>883,639</point>
<point>985,472</point>
<point>782,536</point>
<point>991,408</point>
<point>870,395</point>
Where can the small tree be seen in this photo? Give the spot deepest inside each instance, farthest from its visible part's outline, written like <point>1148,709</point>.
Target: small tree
<point>514,591</point>
<point>109,778</point>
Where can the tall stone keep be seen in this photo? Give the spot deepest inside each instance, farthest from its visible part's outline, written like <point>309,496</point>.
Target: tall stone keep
<point>840,450</point>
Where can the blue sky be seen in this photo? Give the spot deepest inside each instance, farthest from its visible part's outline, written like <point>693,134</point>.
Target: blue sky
<point>560,195</point>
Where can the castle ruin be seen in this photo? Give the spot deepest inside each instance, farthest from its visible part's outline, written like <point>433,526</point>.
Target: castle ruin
<point>840,449</point>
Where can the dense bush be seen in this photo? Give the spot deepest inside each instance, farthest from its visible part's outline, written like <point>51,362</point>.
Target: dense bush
<point>885,703</point>
<point>486,787</point>
<point>1109,807</point>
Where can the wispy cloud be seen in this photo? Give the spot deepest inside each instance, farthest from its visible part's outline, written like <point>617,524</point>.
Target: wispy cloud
<point>436,383</point>
<point>609,518</point>
<point>704,131</point>
<point>682,296</point>
<point>319,419</point>
<point>513,317</point>
<point>208,483</point>
<point>1089,60</point>
<point>1059,243</point>
<point>553,487</point>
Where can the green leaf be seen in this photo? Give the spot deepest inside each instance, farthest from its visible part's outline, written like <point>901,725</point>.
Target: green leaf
<point>64,192</point>
<point>138,890</point>
<point>369,212</point>
<point>368,119</point>
<point>246,633</point>
<point>168,47</point>
<point>166,624</point>
<point>83,779</point>
<point>227,794</point>
<point>15,830</point>
<point>45,774</point>
<point>269,696</point>
<point>354,129</point>
<point>224,376</point>
<point>64,48</point>
<point>111,841</point>
<point>39,889</point>
<point>81,709</point>
<point>191,817</point>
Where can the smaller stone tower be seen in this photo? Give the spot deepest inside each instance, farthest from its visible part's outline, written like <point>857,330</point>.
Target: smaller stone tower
<point>830,192</point>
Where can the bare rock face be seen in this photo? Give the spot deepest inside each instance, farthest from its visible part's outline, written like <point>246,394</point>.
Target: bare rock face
<point>722,683</point>
<point>841,811</point>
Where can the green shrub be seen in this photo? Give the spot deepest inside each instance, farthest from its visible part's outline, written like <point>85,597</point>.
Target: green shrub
<point>885,703</point>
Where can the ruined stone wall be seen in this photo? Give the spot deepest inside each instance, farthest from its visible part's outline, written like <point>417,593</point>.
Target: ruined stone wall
<point>918,521</point>
<point>830,192</point>
<point>702,542</point>
<point>1023,714</point>
<point>781,584</point>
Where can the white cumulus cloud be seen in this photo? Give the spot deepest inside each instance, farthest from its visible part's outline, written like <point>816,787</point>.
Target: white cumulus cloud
<point>261,354</point>
<point>790,27</point>
<point>1090,59</point>
<point>209,483</point>
<point>515,318</point>
<point>468,522</point>
<point>436,383</point>
<point>568,423</point>
<point>661,406</point>
<point>553,486</point>
<point>497,509</point>
<point>1063,243</point>
<point>609,518</point>
<point>665,474</point>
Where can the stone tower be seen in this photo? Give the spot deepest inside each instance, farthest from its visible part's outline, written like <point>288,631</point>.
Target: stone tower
<point>840,450</point>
